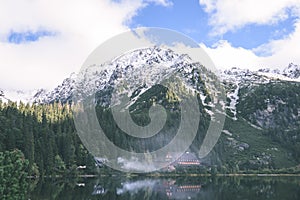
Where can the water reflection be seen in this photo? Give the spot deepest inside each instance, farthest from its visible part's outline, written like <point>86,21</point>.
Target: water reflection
<point>166,189</point>
<point>177,188</point>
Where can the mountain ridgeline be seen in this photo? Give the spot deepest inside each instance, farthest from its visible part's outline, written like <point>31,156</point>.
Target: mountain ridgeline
<point>261,130</point>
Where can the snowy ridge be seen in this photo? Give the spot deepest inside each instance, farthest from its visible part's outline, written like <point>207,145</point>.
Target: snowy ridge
<point>61,93</point>
<point>145,67</point>
<point>140,69</point>
<point>235,78</point>
<point>17,95</point>
<point>265,75</point>
<point>290,73</point>
<point>2,97</point>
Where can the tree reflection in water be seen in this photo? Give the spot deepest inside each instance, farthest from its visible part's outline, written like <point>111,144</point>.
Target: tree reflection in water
<point>177,188</point>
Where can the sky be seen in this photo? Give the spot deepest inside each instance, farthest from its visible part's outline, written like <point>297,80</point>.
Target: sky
<point>42,42</point>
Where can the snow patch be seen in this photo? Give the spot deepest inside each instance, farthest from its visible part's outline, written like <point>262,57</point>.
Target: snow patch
<point>226,132</point>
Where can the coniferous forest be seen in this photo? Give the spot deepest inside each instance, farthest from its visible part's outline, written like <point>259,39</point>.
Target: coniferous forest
<point>45,134</point>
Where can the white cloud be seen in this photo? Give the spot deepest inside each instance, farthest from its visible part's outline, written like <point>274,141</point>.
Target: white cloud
<point>80,26</point>
<point>229,15</point>
<point>224,55</point>
<point>161,2</point>
<point>285,50</point>
<point>280,53</point>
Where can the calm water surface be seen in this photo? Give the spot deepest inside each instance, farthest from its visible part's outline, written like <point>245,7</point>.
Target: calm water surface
<point>139,188</point>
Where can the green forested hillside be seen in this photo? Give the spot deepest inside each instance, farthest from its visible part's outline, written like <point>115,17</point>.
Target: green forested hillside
<point>274,108</point>
<point>243,146</point>
<point>45,134</point>
<point>265,136</point>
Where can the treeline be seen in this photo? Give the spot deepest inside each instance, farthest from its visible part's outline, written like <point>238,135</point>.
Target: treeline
<point>45,134</point>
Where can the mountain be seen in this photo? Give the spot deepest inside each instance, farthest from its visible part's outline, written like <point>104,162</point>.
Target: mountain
<point>62,93</point>
<point>2,97</point>
<point>263,117</point>
<point>291,71</point>
<point>262,108</point>
<point>139,75</point>
<point>124,66</point>
<point>17,95</point>
<point>235,76</point>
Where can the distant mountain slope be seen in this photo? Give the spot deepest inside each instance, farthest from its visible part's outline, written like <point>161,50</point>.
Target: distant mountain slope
<point>262,129</point>
<point>2,98</point>
<point>17,95</point>
<point>61,93</point>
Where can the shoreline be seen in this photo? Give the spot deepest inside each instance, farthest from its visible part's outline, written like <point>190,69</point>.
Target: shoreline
<point>169,175</point>
<point>192,175</point>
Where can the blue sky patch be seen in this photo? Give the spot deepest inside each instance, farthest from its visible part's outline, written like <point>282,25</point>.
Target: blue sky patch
<point>188,17</point>
<point>254,35</point>
<point>184,16</point>
<point>28,36</point>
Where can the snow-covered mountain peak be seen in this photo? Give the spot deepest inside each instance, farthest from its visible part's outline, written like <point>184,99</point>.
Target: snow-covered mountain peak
<point>146,66</point>
<point>17,95</point>
<point>141,68</point>
<point>236,78</point>
<point>292,71</point>
<point>61,93</point>
<point>263,75</point>
<point>2,97</point>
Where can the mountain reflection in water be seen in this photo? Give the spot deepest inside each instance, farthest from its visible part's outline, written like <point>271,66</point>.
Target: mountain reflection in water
<point>176,188</point>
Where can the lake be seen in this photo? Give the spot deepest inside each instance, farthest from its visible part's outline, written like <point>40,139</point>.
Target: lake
<point>160,188</point>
